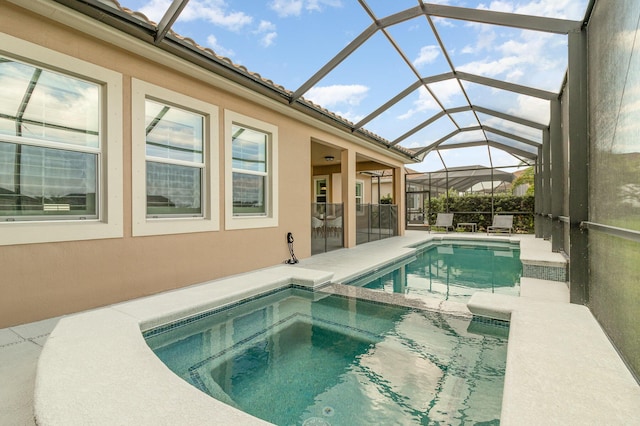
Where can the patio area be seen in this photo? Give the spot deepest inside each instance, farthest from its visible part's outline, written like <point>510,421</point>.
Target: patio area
<point>546,382</point>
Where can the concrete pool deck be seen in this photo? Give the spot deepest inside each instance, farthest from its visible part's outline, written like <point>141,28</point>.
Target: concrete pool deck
<point>97,369</point>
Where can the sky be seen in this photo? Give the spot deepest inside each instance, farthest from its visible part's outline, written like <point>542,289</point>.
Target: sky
<point>288,41</point>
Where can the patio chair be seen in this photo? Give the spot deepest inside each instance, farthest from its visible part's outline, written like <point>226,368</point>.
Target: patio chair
<point>417,220</point>
<point>317,226</point>
<point>502,223</point>
<point>444,220</point>
<point>334,226</point>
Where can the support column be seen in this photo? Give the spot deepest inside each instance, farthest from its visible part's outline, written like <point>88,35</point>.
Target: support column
<point>400,197</point>
<point>557,177</point>
<point>538,195</point>
<point>578,168</point>
<point>546,183</point>
<point>348,175</point>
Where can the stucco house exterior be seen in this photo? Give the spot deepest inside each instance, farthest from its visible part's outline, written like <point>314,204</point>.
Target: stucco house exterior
<point>128,168</point>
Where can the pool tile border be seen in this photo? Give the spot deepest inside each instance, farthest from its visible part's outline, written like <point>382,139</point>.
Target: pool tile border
<point>544,272</point>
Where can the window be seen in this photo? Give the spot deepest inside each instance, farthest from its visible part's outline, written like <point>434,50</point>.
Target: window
<point>174,152</point>
<point>251,172</point>
<point>58,172</point>
<point>320,185</point>
<point>360,197</point>
<point>249,163</point>
<point>175,160</point>
<point>50,144</point>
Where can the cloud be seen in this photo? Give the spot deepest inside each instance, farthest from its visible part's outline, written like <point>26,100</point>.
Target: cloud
<point>338,94</point>
<point>444,90</point>
<point>425,102</point>
<point>484,40</point>
<point>498,6</point>
<point>216,12</point>
<point>534,109</point>
<point>267,32</point>
<point>350,115</point>
<point>268,39</point>
<point>443,22</point>
<point>265,26</point>
<point>561,9</point>
<point>490,68</point>
<point>427,55</point>
<point>213,43</point>
<point>514,54</point>
<point>213,11</point>
<point>154,9</point>
<point>317,5</point>
<point>516,58</point>
<point>286,8</point>
<point>513,128</point>
<point>515,74</point>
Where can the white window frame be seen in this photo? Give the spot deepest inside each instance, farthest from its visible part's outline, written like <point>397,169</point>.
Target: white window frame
<point>109,223</point>
<point>210,219</point>
<point>270,219</point>
<point>359,206</point>
<point>316,179</point>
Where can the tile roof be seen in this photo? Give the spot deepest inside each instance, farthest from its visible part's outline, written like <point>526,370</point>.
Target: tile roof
<point>256,76</point>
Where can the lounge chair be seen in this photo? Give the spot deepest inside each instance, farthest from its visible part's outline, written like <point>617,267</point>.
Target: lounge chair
<point>502,223</point>
<point>444,220</point>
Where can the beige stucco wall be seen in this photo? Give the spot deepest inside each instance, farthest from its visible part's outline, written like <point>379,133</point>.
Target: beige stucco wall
<point>49,279</point>
<point>336,188</point>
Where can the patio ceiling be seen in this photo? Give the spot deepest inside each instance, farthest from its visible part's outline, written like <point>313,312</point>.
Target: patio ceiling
<point>467,111</point>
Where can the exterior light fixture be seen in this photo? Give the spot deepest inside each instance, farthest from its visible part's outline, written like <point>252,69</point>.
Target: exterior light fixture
<point>329,157</point>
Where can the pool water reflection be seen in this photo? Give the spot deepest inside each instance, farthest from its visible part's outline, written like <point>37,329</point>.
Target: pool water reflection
<point>299,357</point>
<point>451,271</point>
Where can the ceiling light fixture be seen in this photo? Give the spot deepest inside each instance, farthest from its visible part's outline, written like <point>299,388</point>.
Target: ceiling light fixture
<point>329,157</point>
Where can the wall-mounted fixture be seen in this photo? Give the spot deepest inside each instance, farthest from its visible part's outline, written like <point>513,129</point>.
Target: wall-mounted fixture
<point>329,157</point>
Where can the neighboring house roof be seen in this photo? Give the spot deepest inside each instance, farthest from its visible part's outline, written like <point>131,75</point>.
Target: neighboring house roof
<point>461,178</point>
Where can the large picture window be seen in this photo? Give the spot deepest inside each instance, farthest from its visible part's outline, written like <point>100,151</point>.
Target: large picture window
<point>60,175</point>
<point>50,144</point>
<point>251,180</point>
<point>174,158</point>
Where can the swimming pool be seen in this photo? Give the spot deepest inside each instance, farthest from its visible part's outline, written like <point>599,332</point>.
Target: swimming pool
<point>451,270</point>
<point>302,357</point>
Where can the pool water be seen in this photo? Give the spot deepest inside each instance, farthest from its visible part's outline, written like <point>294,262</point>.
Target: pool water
<point>296,357</point>
<point>451,271</point>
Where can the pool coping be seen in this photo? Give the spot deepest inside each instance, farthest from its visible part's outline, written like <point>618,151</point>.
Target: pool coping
<point>561,367</point>
<point>82,380</point>
<point>96,368</point>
